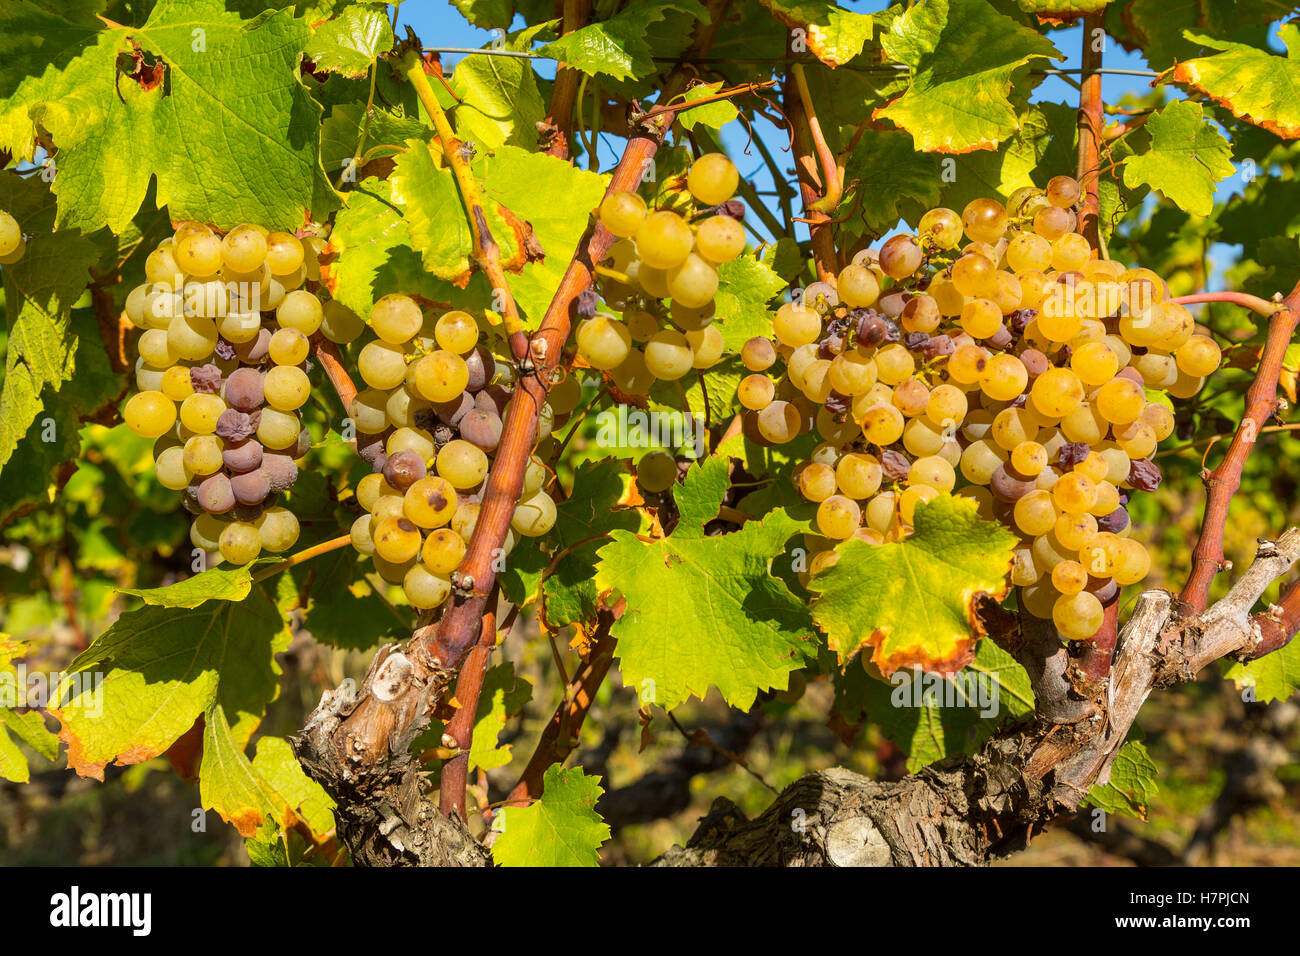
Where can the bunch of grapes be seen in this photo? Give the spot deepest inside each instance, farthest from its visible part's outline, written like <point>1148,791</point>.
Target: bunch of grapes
<point>222,373</point>
<point>428,424</point>
<point>12,244</point>
<point>662,255</point>
<point>1010,368</point>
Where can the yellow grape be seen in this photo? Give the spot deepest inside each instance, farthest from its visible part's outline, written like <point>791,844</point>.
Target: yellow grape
<point>838,517</point>
<point>1077,616</point>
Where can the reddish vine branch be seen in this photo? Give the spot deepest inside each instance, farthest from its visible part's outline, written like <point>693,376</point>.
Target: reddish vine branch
<point>1276,626</point>
<point>1222,483</point>
<point>460,729</point>
<point>561,733</point>
<point>459,626</point>
<point>564,94</point>
<point>820,227</point>
<point>1091,122</point>
<point>831,174</point>
<point>1253,302</point>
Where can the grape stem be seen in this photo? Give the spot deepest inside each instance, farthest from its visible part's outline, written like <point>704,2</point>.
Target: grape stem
<point>1210,440</point>
<point>820,228</point>
<point>486,252</point>
<point>306,554</point>
<point>832,174</point>
<point>564,93</point>
<point>704,100</point>
<point>1222,483</point>
<point>1253,302</point>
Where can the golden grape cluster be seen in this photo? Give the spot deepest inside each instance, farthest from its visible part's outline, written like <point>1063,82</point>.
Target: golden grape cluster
<point>222,373</point>
<point>428,424</point>
<point>991,355</point>
<point>663,255</point>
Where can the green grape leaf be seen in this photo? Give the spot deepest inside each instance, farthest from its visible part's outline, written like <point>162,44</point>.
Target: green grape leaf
<point>537,235</point>
<point>911,603</point>
<point>272,787</point>
<point>227,782</point>
<point>561,829</point>
<point>49,453</point>
<point>342,610</point>
<point>227,89</point>
<point>348,43</point>
<point>1062,9</point>
<point>890,179</point>
<point>527,183</point>
<point>504,693</point>
<point>276,764</point>
<point>1160,28</point>
<point>1159,25</point>
<point>1272,677</point>
<point>273,847</point>
<point>487,14</point>
<point>40,290</point>
<point>714,399</point>
<point>962,54</point>
<point>27,726</point>
<point>933,716</point>
<point>590,511</point>
<point>745,286</point>
<point>13,764</point>
<point>372,253</point>
<point>214,584</point>
<point>144,681</point>
<point>1000,172</point>
<point>713,115</point>
<point>499,101</point>
<point>617,47</point>
<point>1187,157</point>
<point>831,33</point>
<point>436,217</point>
<point>1253,84</point>
<point>1132,784</point>
<point>784,258</point>
<point>38,467</point>
<point>706,611</point>
<point>385,136</point>
<point>35,35</point>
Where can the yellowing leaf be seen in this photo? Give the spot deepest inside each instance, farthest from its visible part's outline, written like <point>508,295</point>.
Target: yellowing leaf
<point>832,34</point>
<point>910,603</point>
<point>145,680</point>
<point>1255,85</point>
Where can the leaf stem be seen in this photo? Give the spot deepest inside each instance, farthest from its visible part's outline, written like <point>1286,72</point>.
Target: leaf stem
<point>486,251</point>
<point>306,554</point>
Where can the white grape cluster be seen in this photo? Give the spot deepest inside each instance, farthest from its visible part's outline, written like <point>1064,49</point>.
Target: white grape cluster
<point>429,423</point>
<point>1011,369</point>
<point>222,373</point>
<point>661,276</point>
